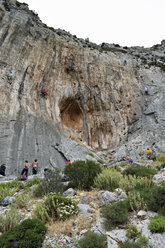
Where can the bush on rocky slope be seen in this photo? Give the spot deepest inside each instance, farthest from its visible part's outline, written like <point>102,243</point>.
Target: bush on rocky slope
<point>9,220</point>
<point>140,243</point>
<point>115,214</point>
<point>140,171</point>
<point>55,207</point>
<point>93,240</point>
<point>30,233</point>
<point>157,224</point>
<point>52,182</point>
<point>107,180</point>
<point>82,174</point>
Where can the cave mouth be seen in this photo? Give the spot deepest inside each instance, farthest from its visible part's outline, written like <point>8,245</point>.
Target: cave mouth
<point>71,114</point>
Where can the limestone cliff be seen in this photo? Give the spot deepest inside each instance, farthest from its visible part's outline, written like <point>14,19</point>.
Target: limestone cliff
<point>95,94</point>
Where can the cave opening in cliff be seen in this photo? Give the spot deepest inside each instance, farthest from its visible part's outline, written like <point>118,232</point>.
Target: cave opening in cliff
<point>71,114</point>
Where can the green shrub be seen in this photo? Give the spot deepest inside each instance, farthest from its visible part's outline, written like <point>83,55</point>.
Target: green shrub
<point>30,233</point>
<point>162,165</point>
<point>115,214</point>
<point>93,240</point>
<point>11,219</point>
<point>123,164</point>
<point>82,174</point>
<point>51,183</point>
<point>9,189</point>
<point>100,161</point>
<point>55,207</point>
<point>161,157</point>
<point>141,243</point>
<point>132,232</point>
<point>140,171</point>
<point>156,199</point>
<point>108,179</point>
<point>157,224</point>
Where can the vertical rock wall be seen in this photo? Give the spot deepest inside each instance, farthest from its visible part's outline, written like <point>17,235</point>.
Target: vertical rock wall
<point>94,97</point>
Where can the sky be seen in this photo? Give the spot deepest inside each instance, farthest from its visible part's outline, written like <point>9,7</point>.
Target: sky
<point>123,22</point>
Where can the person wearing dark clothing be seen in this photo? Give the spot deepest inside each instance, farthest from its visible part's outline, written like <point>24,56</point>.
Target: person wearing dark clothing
<point>25,170</point>
<point>146,91</point>
<point>35,166</point>
<point>2,169</point>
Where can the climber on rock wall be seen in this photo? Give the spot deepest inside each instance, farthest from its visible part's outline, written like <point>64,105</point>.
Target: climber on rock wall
<point>44,92</point>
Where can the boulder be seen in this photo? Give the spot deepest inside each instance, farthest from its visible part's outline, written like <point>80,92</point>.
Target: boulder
<point>142,214</point>
<point>159,178</point>
<point>120,193</point>
<point>85,200</point>
<point>7,200</point>
<point>70,192</point>
<point>107,197</point>
<point>85,209</point>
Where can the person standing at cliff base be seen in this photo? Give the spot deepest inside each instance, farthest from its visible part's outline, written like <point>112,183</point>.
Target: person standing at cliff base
<point>146,91</point>
<point>148,153</point>
<point>35,166</point>
<point>25,170</point>
<point>2,169</point>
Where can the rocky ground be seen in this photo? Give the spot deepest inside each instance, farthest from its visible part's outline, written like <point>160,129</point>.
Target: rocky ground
<point>68,233</point>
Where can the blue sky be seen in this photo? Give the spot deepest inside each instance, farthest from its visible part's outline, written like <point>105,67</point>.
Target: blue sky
<point>124,22</point>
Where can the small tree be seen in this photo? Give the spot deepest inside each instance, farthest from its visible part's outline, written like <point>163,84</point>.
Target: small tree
<point>52,182</point>
<point>30,233</point>
<point>82,174</point>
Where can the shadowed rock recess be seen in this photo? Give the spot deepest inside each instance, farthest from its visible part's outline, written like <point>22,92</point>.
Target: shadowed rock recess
<point>95,95</point>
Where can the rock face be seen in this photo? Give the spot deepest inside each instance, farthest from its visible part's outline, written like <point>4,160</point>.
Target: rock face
<point>95,94</point>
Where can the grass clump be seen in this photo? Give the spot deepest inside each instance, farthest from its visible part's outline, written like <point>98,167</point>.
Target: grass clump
<point>115,214</point>
<point>30,233</point>
<point>107,180</point>
<point>132,232</point>
<point>93,240</point>
<point>157,224</point>
<point>140,171</point>
<point>136,201</point>
<point>128,183</point>
<point>82,174</point>
<point>56,207</point>
<point>21,201</point>
<point>9,220</point>
<point>52,182</point>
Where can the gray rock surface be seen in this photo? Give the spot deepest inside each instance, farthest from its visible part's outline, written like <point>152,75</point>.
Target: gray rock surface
<point>85,200</point>
<point>86,209</point>
<point>70,192</point>
<point>7,200</point>
<point>160,177</point>
<point>94,101</point>
<point>107,197</point>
